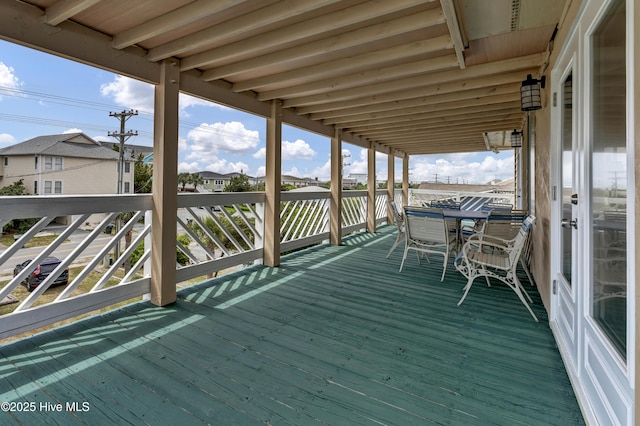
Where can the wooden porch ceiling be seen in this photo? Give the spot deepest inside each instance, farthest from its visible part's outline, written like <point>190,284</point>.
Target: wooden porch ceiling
<point>316,341</point>
<point>418,76</point>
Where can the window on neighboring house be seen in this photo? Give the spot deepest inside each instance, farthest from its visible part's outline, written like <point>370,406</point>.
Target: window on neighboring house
<point>219,182</point>
<point>36,162</point>
<point>53,163</point>
<point>6,161</point>
<point>127,167</point>
<point>52,187</point>
<point>127,187</point>
<point>35,187</point>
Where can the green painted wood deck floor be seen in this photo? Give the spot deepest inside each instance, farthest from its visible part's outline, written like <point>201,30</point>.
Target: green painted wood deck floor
<point>334,336</point>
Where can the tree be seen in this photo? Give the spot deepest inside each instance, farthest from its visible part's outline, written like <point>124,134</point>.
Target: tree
<point>239,183</point>
<point>142,175</point>
<point>196,180</point>
<point>184,179</point>
<point>16,225</point>
<point>16,188</point>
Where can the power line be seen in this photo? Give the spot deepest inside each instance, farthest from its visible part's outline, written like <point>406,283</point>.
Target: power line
<point>98,106</point>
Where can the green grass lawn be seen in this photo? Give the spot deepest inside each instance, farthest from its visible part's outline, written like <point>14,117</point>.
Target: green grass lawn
<point>8,239</point>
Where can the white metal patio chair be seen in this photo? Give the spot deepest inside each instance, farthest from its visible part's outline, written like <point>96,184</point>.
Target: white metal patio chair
<point>493,257</point>
<point>427,233</point>
<point>399,221</point>
<point>506,224</point>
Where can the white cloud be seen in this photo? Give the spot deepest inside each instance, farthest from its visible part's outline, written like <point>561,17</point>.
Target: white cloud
<point>461,168</point>
<point>102,138</point>
<point>323,173</point>
<point>6,139</point>
<point>8,79</point>
<point>136,94</point>
<point>223,166</point>
<point>262,170</point>
<point>184,167</point>
<point>261,153</point>
<point>129,93</point>
<point>298,150</point>
<point>292,172</point>
<point>232,137</point>
<point>72,130</point>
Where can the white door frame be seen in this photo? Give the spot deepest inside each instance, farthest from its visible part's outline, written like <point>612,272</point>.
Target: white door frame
<point>603,381</point>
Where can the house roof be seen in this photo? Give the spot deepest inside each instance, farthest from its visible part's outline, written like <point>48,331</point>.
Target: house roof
<point>66,145</point>
<point>212,175</point>
<point>412,76</point>
<point>136,149</point>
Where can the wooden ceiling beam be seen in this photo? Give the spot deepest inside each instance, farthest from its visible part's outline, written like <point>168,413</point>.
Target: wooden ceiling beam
<point>444,132</point>
<point>463,98</point>
<point>233,29</point>
<point>394,96</point>
<point>62,10</point>
<point>486,104</point>
<point>328,45</point>
<point>177,18</point>
<point>347,66</point>
<point>267,42</point>
<point>508,122</point>
<point>449,107</point>
<point>368,82</point>
<point>444,117</point>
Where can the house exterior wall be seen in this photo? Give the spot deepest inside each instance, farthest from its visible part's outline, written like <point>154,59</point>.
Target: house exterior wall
<point>541,236</point>
<point>78,175</point>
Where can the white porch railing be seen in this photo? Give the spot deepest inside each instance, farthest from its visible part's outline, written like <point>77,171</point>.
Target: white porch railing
<point>423,197</point>
<point>215,231</point>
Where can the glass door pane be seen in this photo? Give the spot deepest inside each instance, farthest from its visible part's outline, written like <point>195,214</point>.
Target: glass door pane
<point>567,175</point>
<point>608,177</point>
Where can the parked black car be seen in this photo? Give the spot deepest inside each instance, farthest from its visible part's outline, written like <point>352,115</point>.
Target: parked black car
<point>42,272</point>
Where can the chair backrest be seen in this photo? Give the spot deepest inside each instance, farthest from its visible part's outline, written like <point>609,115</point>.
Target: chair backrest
<point>520,239</point>
<point>504,224</point>
<point>425,224</point>
<point>445,204</point>
<point>397,217</point>
<point>487,207</point>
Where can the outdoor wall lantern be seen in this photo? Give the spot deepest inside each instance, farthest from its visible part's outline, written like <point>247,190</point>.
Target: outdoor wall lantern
<point>530,93</point>
<point>516,139</point>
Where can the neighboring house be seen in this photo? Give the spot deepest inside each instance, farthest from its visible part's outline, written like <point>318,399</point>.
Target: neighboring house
<point>214,182</point>
<point>291,180</point>
<point>359,177</point>
<point>66,164</point>
<point>131,152</point>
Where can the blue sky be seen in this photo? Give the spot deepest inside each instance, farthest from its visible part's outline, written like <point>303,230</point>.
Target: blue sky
<point>41,94</point>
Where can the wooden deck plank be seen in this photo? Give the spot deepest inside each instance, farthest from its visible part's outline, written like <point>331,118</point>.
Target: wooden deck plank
<point>335,335</point>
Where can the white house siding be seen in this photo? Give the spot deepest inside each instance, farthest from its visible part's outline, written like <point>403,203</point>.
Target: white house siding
<point>78,175</point>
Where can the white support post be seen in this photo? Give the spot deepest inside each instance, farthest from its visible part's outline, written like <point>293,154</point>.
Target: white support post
<point>165,184</point>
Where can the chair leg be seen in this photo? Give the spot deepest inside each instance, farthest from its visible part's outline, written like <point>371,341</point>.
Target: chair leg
<point>467,288</point>
<point>444,266</point>
<point>522,289</point>
<point>404,256</point>
<point>516,288</point>
<point>396,244</point>
<point>526,270</point>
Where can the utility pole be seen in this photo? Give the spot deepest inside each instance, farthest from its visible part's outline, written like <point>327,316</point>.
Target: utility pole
<point>122,136</point>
